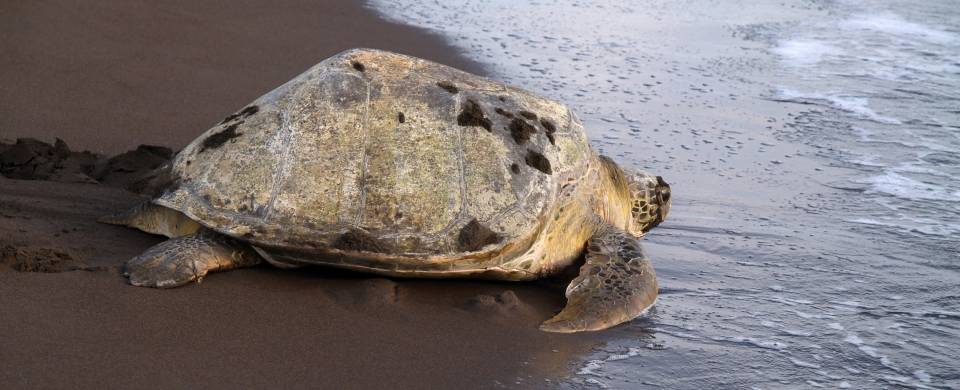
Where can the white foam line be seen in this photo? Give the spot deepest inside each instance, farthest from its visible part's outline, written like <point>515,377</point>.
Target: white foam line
<point>857,105</point>
<point>893,24</point>
<point>892,183</point>
<point>805,52</point>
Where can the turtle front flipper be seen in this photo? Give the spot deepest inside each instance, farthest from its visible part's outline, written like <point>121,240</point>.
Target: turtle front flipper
<point>181,260</point>
<point>616,285</point>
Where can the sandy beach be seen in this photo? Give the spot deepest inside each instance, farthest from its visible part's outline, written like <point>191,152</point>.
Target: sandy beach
<point>811,147</point>
<point>110,76</point>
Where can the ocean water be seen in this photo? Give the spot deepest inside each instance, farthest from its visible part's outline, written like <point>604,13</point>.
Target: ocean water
<point>814,152</point>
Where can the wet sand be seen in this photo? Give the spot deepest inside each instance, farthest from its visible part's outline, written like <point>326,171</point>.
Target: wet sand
<point>111,76</point>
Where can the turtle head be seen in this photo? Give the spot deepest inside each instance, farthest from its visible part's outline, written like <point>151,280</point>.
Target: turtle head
<point>649,200</point>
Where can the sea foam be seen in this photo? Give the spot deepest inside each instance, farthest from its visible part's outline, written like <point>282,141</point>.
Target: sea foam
<point>805,52</point>
<point>892,183</point>
<point>859,106</point>
<point>890,23</point>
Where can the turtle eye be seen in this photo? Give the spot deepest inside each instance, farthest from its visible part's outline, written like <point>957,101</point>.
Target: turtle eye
<point>663,193</point>
<point>663,189</point>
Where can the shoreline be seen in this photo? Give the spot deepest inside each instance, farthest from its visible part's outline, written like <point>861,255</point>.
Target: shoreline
<point>70,318</point>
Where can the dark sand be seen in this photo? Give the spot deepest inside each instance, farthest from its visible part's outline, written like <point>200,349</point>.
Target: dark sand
<point>110,77</point>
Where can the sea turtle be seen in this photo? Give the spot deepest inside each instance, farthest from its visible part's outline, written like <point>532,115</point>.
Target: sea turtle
<point>398,166</point>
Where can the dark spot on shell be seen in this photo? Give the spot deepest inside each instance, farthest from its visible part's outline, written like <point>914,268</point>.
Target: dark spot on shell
<point>539,162</point>
<point>448,86</point>
<point>245,112</point>
<point>553,141</point>
<point>521,130</point>
<point>548,125</point>
<point>359,240</point>
<point>549,128</point>
<point>472,115</point>
<point>358,66</point>
<point>217,140</point>
<point>514,168</point>
<point>401,118</point>
<point>502,98</point>
<point>527,114</point>
<point>230,118</point>
<point>249,110</point>
<point>502,112</point>
<point>474,236</point>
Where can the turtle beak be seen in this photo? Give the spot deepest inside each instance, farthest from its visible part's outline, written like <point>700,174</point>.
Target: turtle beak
<point>663,195</point>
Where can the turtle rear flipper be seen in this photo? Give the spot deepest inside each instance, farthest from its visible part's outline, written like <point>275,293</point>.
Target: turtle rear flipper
<point>616,285</point>
<point>181,260</point>
<point>154,219</point>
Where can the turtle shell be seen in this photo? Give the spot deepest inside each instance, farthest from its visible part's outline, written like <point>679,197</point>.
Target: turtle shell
<point>374,151</point>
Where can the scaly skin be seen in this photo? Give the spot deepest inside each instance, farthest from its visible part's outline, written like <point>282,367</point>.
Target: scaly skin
<point>188,258</point>
<point>154,219</point>
<point>616,284</point>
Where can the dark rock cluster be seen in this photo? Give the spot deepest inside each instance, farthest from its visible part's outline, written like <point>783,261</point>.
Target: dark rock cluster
<point>31,159</point>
